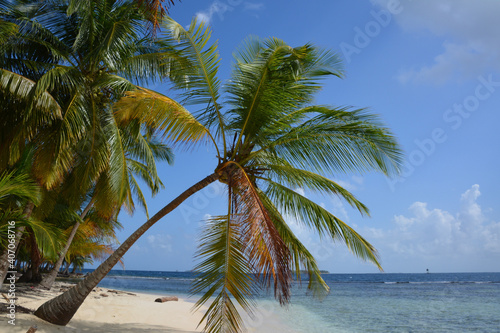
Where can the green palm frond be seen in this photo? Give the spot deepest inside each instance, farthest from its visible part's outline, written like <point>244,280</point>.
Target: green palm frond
<point>23,89</point>
<point>115,33</point>
<point>149,151</point>
<point>160,112</point>
<point>319,219</point>
<point>270,78</point>
<point>7,30</point>
<point>19,186</point>
<point>48,236</point>
<point>59,78</point>
<point>7,215</point>
<point>136,190</point>
<point>298,178</point>
<point>118,169</point>
<point>199,79</point>
<point>74,123</point>
<point>113,83</point>
<point>147,66</point>
<point>223,274</point>
<point>339,140</point>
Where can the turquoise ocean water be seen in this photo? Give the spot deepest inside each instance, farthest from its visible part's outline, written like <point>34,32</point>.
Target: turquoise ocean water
<point>435,302</point>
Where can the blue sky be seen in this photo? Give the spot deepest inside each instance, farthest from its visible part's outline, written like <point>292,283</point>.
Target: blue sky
<point>431,70</point>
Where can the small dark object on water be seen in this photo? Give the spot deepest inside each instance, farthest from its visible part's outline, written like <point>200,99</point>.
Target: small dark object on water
<point>166,299</point>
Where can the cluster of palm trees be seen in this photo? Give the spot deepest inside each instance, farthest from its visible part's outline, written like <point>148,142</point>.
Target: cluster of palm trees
<point>79,133</point>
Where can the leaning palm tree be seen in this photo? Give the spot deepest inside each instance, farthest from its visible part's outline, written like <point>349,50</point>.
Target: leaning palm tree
<point>268,138</point>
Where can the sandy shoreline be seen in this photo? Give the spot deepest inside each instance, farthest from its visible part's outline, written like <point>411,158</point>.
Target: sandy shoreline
<point>107,311</point>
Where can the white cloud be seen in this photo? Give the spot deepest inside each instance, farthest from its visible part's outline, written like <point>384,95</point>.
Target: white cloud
<point>220,8</point>
<point>216,8</point>
<point>437,236</point>
<point>470,31</point>
<point>464,240</point>
<point>160,241</point>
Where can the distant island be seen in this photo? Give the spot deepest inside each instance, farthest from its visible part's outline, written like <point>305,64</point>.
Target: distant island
<point>302,271</point>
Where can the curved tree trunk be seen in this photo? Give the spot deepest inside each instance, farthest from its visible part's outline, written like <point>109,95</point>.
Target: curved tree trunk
<point>49,279</point>
<point>4,263</point>
<point>61,309</point>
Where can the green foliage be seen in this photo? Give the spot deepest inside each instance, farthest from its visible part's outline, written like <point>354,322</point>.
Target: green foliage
<point>69,73</point>
<point>224,274</point>
<point>19,186</point>
<point>72,68</point>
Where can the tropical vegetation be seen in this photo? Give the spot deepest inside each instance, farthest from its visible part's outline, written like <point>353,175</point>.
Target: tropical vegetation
<point>64,64</point>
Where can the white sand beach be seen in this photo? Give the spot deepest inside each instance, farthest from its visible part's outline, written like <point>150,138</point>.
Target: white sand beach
<point>109,310</point>
<point>106,310</point>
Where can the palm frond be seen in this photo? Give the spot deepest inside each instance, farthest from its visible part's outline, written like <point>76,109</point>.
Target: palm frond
<point>136,189</point>
<point>19,186</point>
<point>297,178</point>
<point>148,150</point>
<point>7,215</point>
<point>223,274</point>
<point>242,251</point>
<point>199,79</point>
<point>116,32</point>
<point>47,236</point>
<point>319,219</point>
<point>267,253</point>
<point>300,256</point>
<point>339,141</point>
<point>271,78</point>
<point>23,89</point>
<point>118,168</point>
<point>160,112</point>
<point>7,30</point>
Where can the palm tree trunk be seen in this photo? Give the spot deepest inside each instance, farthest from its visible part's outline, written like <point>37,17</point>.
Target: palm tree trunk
<point>61,309</point>
<point>49,279</point>
<point>32,275</point>
<point>4,258</point>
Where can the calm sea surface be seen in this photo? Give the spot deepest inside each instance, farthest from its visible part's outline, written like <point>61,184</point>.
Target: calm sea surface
<point>435,302</point>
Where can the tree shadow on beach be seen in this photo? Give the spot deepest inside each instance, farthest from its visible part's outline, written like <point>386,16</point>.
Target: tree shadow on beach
<point>25,321</point>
